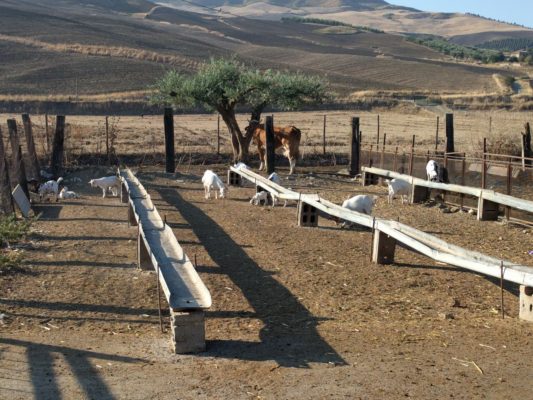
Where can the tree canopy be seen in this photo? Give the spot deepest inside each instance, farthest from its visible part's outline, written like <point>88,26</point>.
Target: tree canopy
<point>224,84</point>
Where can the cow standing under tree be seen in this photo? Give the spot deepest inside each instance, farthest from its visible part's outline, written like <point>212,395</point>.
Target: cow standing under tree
<point>286,138</point>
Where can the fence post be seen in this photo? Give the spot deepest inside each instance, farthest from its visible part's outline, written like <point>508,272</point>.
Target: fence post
<point>437,135</point>
<point>218,135</point>
<point>30,146</point>
<point>107,139</point>
<point>411,158</point>
<point>169,140</point>
<point>377,141</point>
<point>270,145</point>
<point>526,146</point>
<point>370,155</point>
<point>355,148</point>
<point>6,201</point>
<point>58,147</point>
<point>450,148</point>
<point>509,188</point>
<point>463,177</point>
<point>324,136</point>
<point>16,157</point>
<point>383,151</point>
<point>395,162</point>
<point>484,166</point>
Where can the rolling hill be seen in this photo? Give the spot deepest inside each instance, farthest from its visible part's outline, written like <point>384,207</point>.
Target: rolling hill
<point>74,48</point>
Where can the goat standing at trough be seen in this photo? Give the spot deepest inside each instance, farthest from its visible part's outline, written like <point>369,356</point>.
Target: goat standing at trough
<point>277,180</point>
<point>211,181</point>
<point>361,203</point>
<point>260,197</point>
<point>107,183</point>
<point>436,172</point>
<point>50,187</point>
<point>398,187</point>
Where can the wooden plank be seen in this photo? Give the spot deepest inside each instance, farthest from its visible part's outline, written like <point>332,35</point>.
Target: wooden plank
<point>22,201</point>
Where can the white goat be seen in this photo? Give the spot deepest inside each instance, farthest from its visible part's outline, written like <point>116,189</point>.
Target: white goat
<point>211,181</point>
<point>398,187</point>
<point>107,183</point>
<point>432,169</point>
<point>361,203</point>
<point>67,194</point>
<point>260,197</point>
<point>277,180</point>
<point>241,165</point>
<point>50,187</point>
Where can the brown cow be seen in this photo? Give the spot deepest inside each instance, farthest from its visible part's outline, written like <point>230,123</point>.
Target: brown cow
<point>287,139</point>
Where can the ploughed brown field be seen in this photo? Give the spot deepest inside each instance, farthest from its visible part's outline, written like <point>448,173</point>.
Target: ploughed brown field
<point>297,312</point>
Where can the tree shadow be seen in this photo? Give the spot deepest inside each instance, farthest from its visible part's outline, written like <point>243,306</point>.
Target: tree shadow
<point>43,378</point>
<point>79,263</point>
<point>289,335</point>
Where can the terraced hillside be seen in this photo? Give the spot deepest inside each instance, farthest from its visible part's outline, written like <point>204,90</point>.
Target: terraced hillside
<point>71,48</point>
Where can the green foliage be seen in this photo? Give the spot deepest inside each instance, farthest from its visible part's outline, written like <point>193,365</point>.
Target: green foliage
<point>223,84</point>
<point>457,51</point>
<point>13,230</point>
<point>330,22</point>
<point>508,44</point>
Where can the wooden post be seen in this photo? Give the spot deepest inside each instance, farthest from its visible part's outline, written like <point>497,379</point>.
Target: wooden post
<point>484,165</point>
<point>370,155</point>
<point>412,157</point>
<point>107,140</point>
<point>377,141</point>
<point>509,188</point>
<point>355,148</point>
<point>490,126</point>
<point>30,146</point>
<point>169,141</point>
<point>382,161</point>
<point>527,152</point>
<point>16,157</point>
<point>270,145</point>
<point>463,176</point>
<point>6,201</point>
<point>58,147</point>
<point>437,135</point>
<point>47,134</point>
<point>324,136</point>
<point>450,147</point>
<point>395,161</point>
<point>218,135</point>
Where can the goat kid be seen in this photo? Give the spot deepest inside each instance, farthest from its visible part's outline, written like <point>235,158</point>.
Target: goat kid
<point>361,203</point>
<point>50,187</point>
<point>67,194</point>
<point>211,181</point>
<point>398,187</point>
<point>260,197</point>
<point>107,183</point>
<point>277,180</point>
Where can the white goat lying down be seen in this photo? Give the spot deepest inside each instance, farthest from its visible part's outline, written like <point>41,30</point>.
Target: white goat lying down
<point>260,197</point>
<point>398,187</point>
<point>361,203</point>
<point>67,194</point>
<point>50,187</point>
<point>107,183</point>
<point>211,181</point>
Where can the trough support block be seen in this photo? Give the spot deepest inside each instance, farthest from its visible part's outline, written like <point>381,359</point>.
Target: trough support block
<point>188,331</point>
<point>420,194</point>
<point>307,215</point>
<point>526,303</point>
<point>131,216</point>
<point>383,248</point>
<point>144,261</point>
<point>369,179</point>
<point>124,197</point>
<point>487,210</point>
<point>234,179</point>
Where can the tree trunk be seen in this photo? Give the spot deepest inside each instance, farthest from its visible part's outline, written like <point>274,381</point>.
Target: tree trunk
<point>240,142</point>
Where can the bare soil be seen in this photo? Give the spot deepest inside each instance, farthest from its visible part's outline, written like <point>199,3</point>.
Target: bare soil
<point>297,312</point>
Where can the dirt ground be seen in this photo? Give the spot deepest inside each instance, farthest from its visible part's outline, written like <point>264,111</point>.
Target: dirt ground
<point>297,313</point>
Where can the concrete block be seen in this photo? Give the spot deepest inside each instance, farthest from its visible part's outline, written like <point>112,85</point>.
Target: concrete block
<point>307,215</point>
<point>487,210</point>
<point>188,331</point>
<point>144,261</point>
<point>526,303</point>
<point>124,196</point>
<point>234,179</point>
<point>383,248</point>
<point>419,194</point>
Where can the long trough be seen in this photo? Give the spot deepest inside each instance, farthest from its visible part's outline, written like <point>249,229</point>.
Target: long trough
<point>388,233</point>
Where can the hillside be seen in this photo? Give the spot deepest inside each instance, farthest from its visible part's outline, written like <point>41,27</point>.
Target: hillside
<point>77,49</point>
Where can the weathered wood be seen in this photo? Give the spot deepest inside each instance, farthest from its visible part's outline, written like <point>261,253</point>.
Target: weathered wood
<point>355,148</point>
<point>450,146</point>
<point>324,136</point>
<point>412,156</point>
<point>419,194</point>
<point>6,201</point>
<point>437,135</point>
<point>169,141</point>
<point>47,134</point>
<point>383,248</point>
<point>58,147</point>
<point>34,167</point>
<point>484,165</point>
<point>270,145</point>
<point>487,210</point>
<point>108,155</point>
<point>19,170</point>
<point>377,139</point>
<point>527,152</point>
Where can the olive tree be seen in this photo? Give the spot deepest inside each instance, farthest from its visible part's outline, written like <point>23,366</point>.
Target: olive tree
<point>222,85</point>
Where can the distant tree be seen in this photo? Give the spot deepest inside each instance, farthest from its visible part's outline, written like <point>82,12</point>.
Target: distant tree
<point>222,85</point>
